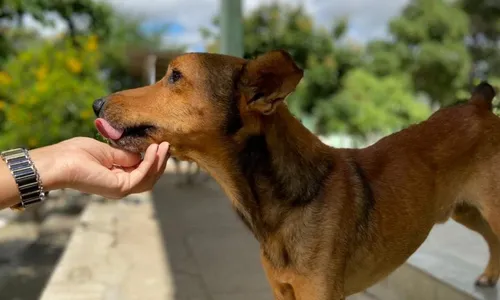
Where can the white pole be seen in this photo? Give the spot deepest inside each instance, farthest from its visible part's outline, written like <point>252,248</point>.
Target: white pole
<point>151,68</point>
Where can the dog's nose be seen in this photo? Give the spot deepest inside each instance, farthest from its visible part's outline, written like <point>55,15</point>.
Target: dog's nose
<point>97,105</point>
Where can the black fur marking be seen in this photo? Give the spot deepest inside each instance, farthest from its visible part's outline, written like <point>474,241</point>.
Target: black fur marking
<point>233,118</point>
<point>283,261</point>
<point>224,92</point>
<point>254,160</point>
<point>245,221</point>
<point>285,258</point>
<point>367,198</point>
<point>299,185</point>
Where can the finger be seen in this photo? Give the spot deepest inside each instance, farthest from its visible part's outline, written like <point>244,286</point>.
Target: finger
<point>156,169</point>
<point>163,157</point>
<point>152,176</point>
<point>138,175</point>
<point>124,158</point>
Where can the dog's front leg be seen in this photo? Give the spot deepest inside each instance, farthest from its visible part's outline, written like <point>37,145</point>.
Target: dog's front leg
<point>281,291</point>
<point>291,286</point>
<point>318,287</point>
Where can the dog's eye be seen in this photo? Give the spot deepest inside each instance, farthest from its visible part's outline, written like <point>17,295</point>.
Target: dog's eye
<point>174,76</point>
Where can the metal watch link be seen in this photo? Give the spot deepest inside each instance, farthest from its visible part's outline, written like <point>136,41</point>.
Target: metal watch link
<point>26,176</point>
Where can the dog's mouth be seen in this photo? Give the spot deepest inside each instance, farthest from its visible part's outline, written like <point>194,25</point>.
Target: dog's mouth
<point>115,133</point>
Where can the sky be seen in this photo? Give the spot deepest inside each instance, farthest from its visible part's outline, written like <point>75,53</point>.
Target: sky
<point>368,18</point>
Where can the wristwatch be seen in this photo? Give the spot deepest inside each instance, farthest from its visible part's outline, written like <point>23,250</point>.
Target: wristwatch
<point>26,176</point>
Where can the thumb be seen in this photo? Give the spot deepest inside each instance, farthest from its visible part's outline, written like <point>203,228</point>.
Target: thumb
<point>124,158</point>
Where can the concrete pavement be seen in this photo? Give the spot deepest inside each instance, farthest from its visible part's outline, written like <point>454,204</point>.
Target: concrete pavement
<point>177,244</point>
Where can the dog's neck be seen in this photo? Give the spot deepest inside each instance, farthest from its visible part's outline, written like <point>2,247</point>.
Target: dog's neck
<point>281,168</point>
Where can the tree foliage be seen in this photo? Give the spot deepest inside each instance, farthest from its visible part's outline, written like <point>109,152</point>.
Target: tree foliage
<point>80,16</point>
<point>436,50</point>
<point>484,37</point>
<point>51,89</point>
<point>428,43</point>
<point>47,85</point>
<point>368,104</point>
<point>335,71</point>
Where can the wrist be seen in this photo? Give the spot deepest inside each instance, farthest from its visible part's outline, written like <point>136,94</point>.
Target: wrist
<point>46,162</point>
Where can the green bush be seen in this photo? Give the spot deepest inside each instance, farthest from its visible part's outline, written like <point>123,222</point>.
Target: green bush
<point>50,89</point>
<point>371,105</point>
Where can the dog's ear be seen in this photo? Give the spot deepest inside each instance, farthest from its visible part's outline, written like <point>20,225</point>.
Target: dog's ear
<point>268,79</point>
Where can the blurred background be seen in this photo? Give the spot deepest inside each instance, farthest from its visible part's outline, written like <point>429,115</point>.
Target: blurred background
<point>371,67</point>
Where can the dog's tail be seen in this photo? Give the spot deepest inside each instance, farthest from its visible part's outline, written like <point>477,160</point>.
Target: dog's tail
<point>483,95</point>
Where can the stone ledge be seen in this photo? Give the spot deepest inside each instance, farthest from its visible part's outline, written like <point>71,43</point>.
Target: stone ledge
<point>444,267</point>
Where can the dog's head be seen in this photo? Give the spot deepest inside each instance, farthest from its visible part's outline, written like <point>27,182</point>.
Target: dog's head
<point>202,100</point>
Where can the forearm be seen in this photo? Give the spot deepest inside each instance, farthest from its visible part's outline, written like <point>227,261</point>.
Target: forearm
<point>42,159</point>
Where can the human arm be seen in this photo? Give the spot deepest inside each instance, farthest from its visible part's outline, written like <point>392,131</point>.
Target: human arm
<point>89,166</point>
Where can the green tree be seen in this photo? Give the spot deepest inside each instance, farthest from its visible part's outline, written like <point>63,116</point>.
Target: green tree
<point>51,89</point>
<point>328,94</point>
<point>316,49</point>
<point>118,34</point>
<point>68,96</point>
<point>428,43</point>
<point>72,12</point>
<point>484,38</point>
<point>371,105</point>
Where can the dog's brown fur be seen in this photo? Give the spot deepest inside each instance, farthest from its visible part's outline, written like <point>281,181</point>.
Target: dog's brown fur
<point>330,222</point>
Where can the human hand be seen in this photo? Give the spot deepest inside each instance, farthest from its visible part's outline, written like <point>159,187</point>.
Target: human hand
<point>94,167</point>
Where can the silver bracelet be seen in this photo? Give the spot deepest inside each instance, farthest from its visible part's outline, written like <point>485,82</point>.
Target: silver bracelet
<point>26,176</point>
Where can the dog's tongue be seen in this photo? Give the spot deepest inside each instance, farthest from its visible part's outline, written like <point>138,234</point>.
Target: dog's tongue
<point>107,130</point>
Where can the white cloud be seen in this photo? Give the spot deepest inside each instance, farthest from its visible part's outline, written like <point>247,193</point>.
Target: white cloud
<point>368,18</point>
<point>56,27</point>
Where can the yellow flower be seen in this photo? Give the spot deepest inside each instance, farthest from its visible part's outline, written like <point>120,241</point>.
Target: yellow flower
<point>32,142</point>
<point>41,87</point>
<point>41,73</point>
<point>5,78</point>
<point>2,105</point>
<point>92,43</point>
<point>32,100</point>
<point>86,114</point>
<point>74,65</point>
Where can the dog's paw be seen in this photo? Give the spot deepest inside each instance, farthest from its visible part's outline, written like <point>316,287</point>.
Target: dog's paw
<point>486,280</point>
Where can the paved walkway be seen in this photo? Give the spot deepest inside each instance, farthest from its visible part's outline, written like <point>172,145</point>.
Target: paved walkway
<point>29,250</point>
<point>188,244</point>
<point>212,255</point>
<point>179,244</point>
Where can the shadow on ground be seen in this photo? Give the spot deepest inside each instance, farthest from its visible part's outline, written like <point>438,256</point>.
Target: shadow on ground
<point>210,252</point>
<point>29,251</point>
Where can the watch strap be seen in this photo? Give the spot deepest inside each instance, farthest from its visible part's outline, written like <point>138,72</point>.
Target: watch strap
<point>26,176</point>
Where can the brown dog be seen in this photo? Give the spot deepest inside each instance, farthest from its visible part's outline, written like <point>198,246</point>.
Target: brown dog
<point>330,222</point>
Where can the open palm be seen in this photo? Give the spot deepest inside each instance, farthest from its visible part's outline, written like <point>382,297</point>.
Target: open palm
<point>97,168</point>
